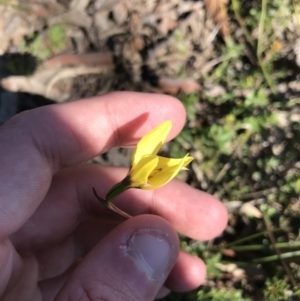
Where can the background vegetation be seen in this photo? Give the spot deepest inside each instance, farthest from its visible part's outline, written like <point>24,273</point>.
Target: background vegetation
<point>246,140</point>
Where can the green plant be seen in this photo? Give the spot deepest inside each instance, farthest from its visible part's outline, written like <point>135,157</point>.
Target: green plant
<point>189,101</point>
<point>44,44</point>
<point>277,290</point>
<point>222,294</point>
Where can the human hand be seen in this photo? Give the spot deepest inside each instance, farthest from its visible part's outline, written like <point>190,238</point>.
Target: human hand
<point>58,242</point>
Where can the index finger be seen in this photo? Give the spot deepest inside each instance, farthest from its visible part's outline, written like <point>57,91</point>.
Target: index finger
<point>37,143</point>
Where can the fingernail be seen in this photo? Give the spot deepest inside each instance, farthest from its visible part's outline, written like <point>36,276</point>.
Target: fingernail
<point>151,251</point>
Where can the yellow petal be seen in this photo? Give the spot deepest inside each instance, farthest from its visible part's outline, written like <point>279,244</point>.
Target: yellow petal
<point>165,171</point>
<point>139,173</point>
<point>152,141</point>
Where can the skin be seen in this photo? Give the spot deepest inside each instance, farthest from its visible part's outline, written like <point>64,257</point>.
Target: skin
<point>58,242</point>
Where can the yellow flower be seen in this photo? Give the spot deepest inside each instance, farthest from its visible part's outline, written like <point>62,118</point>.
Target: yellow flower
<point>149,171</point>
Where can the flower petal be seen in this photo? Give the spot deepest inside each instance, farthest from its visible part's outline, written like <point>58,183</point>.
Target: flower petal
<point>139,173</point>
<point>152,141</point>
<point>166,170</point>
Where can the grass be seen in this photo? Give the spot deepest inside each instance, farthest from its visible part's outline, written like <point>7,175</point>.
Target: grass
<point>247,148</point>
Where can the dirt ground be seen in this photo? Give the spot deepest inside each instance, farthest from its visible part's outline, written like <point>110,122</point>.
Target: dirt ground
<point>107,46</point>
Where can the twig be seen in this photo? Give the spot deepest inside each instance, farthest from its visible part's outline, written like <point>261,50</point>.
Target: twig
<point>279,255</point>
<point>111,206</point>
<point>240,20</point>
<point>261,28</point>
<point>226,167</point>
<point>72,72</point>
<point>235,5</point>
<point>256,194</point>
<point>285,266</point>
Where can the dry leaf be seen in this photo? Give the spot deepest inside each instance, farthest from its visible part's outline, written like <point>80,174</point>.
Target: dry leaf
<point>176,85</point>
<point>44,80</point>
<point>73,17</point>
<point>26,84</point>
<point>120,13</point>
<point>229,252</point>
<point>250,210</point>
<point>89,59</point>
<point>232,206</point>
<point>217,9</point>
<point>105,4</point>
<point>136,43</point>
<point>233,269</point>
<point>227,268</point>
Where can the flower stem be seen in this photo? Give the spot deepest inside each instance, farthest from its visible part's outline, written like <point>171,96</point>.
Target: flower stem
<point>111,206</point>
<point>117,190</point>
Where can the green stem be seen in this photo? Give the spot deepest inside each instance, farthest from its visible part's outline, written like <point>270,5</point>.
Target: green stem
<point>266,75</point>
<point>276,257</point>
<point>235,7</point>
<point>117,190</point>
<point>259,50</point>
<point>280,245</point>
<point>261,27</point>
<point>256,235</point>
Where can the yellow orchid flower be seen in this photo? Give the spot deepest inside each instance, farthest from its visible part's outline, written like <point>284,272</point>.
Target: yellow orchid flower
<point>149,171</point>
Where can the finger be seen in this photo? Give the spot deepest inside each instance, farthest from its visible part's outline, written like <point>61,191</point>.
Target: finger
<point>37,143</point>
<point>56,259</point>
<point>131,263</point>
<point>162,293</point>
<point>18,275</point>
<point>71,199</point>
<point>192,212</point>
<point>50,287</point>
<point>187,274</point>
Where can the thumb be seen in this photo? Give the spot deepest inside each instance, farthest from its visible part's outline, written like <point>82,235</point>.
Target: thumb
<point>131,263</point>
